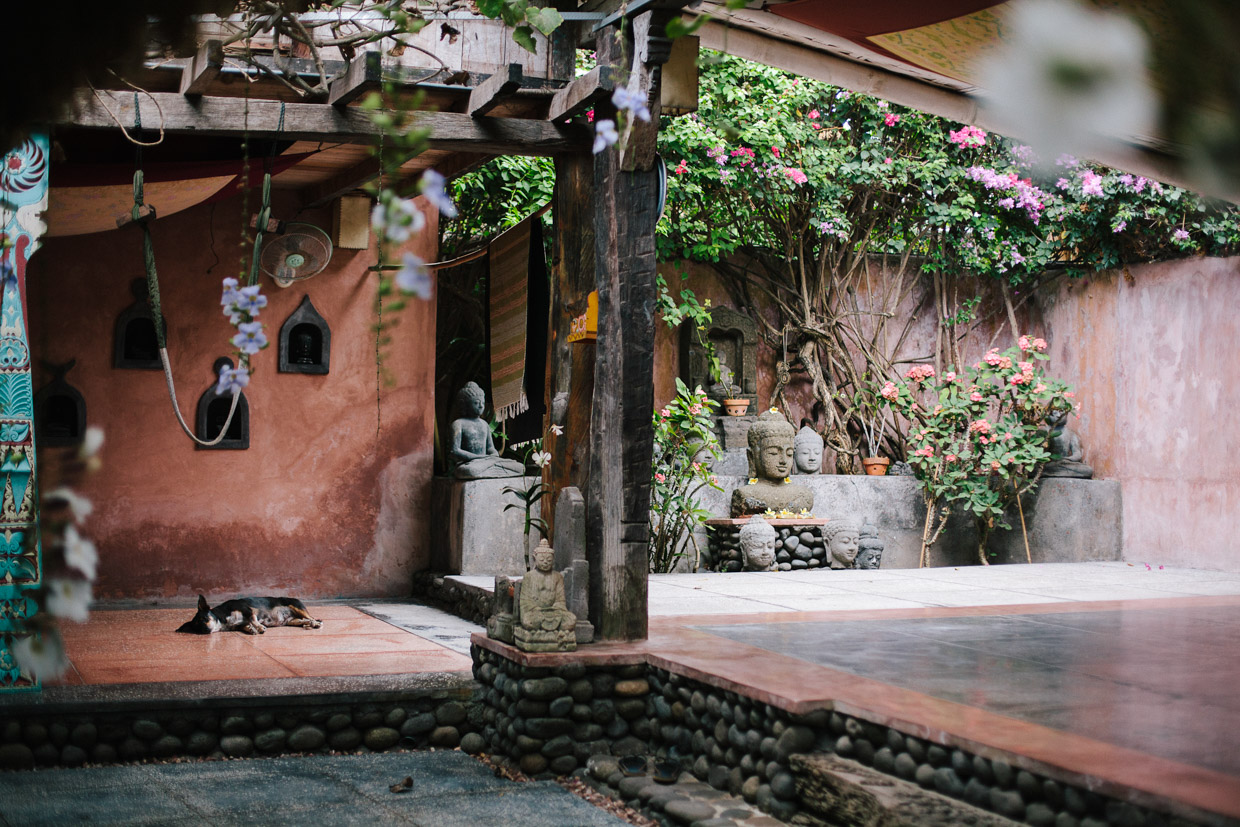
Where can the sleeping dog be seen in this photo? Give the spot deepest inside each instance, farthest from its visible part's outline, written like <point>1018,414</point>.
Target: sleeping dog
<point>251,615</point>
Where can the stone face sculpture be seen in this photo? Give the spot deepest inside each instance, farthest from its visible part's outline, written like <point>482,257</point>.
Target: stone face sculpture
<point>770,462</point>
<point>842,538</point>
<point>869,548</point>
<point>546,624</point>
<point>472,453</point>
<point>807,450</point>
<point>1066,444</point>
<point>758,544</point>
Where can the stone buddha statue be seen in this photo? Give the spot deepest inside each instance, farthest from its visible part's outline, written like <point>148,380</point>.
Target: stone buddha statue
<point>843,540</point>
<point>758,544</point>
<point>770,462</point>
<point>1066,445</point>
<point>869,548</point>
<point>472,453</point>
<point>546,624</point>
<point>807,450</point>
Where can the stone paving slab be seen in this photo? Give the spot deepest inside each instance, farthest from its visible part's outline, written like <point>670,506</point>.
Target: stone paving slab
<point>450,789</point>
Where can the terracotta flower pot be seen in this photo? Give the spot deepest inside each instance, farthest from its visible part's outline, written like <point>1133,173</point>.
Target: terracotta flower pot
<point>736,407</point>
<point>875,466</point>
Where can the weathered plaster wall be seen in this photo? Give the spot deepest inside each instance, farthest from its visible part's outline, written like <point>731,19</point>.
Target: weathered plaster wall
<point>1151,353</point>
<point>332,497</point>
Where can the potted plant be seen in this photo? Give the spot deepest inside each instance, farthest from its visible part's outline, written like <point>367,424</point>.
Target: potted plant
<point>873,424</point>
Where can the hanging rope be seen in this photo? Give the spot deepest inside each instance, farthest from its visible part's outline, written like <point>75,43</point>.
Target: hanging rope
<point>143,219</point>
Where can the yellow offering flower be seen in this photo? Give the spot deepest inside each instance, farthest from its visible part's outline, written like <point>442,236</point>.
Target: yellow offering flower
<point>752,481</point>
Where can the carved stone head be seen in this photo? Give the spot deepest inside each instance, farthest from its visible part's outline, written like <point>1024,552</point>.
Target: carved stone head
<point>842,538</point>
<point>807,450</point>
<point>544,557</point>
<point>771,447</point>
<point>758,544</point>
<point>470,400</point>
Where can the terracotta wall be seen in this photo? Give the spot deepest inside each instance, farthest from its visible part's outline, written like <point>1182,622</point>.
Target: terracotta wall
<point>331,498</point>
<point>1152,352</point>
<point>1147,351</point>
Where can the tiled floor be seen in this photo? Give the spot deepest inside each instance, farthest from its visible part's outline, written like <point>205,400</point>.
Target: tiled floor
<point>143,646</point>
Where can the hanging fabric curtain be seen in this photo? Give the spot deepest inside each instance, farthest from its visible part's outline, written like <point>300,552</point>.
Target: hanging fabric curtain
<point>518,318</point>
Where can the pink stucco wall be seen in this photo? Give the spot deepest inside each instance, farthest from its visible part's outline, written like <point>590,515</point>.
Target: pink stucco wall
<point>1151,354</point>
<point>332,497</point>
<point>1148,353</point>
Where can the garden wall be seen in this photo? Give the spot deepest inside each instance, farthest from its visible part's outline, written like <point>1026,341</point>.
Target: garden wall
<point>1144,349</point>
<point>331,499</point>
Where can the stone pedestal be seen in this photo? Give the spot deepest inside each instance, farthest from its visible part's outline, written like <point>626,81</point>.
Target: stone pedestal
<point>570,558</point>
<point>471,533</point>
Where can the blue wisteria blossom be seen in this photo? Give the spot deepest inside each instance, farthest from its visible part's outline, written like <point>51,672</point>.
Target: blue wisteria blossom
<point>250,300</point>
<point>433,189</point>
<point>413,277</point>
<point>631,101</point>
<point>605,135</point>
<point>250,339</point>
<point>397,219</point>
<point>232,380</point>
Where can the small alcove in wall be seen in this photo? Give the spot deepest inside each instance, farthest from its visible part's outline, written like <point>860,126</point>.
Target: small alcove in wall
<point>59,410</point>
<point>135,346</point>
<point>305,341</point>
<point>213,413</point>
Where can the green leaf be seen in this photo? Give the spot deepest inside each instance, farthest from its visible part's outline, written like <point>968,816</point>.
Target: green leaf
<point>490,8</point>
<point>546,20</point>
<point>524,36</point>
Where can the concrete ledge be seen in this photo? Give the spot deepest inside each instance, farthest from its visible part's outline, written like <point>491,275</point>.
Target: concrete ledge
<point>1069,520</point>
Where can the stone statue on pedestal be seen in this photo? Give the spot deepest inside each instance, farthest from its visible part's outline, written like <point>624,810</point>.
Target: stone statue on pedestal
<point>869,548</point>
<point>807,450</point>
<point>770,462</point>
<point>472,453</point>
<point>1067,446</point>
<point>546,624</point>
<point>500,624</point>
<point>842,538</point>
<point>758,544</point>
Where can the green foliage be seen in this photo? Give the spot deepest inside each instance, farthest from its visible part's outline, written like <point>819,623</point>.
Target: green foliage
<point>684,445</point>
<point>980,435</point>
<point>493,198</point>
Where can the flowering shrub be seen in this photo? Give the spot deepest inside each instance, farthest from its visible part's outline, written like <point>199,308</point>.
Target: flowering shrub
<point>978,436</point>
<point>684,445</point>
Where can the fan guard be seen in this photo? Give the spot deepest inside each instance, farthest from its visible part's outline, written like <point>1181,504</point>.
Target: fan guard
<point>301,252</point>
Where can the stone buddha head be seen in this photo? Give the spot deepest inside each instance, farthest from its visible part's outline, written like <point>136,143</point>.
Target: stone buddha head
<point>807,450</point>
<point>470,400</point>
<point>758,544</point>
<point>544,557</point>
<point>842,538</point>
<point>771,447</point>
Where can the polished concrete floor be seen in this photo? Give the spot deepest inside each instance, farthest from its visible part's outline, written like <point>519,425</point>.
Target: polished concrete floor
<point>1117,676</point>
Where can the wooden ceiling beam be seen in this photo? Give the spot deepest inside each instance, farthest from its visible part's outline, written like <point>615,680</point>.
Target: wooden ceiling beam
<point>203,68</point>
<point>363,74</point>
<point>492,91</point>
<point>261,119</point>
<point>582,93</point>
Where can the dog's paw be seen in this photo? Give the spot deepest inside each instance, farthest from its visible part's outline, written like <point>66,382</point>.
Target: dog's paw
<point>315,624</point>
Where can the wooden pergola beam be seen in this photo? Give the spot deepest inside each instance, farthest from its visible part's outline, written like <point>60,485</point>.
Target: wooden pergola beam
<point>362,173</point>
<point>492,91</point>
<point>203,68</point>
<point>582,93</point>
<point>363,75</point>
<point>215,116</point>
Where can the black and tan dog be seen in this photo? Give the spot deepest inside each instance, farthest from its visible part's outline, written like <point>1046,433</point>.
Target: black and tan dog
<point>251,615</point>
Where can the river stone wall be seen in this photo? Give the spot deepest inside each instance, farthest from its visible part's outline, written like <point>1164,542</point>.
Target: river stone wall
<point>71,738</point>
<point>797,547</point>
<point>1068,520</point>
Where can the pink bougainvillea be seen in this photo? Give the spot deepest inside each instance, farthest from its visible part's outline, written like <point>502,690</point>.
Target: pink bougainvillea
<point>969,136</point>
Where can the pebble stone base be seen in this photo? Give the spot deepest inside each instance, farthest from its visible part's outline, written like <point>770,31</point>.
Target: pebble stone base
<point>70,739</point>
<point>552,719</point>
<point>797,547</point>
<point>742,746</point>
<point>463,601</point>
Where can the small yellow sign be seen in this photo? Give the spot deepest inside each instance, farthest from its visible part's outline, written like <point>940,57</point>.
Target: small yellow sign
<point>585,327</point>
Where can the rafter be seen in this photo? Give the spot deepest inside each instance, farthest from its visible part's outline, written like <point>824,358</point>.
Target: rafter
<point>268,119</point>
<point>363,75</point>
<point>492,91</point>
<point>202,68</point>
<point>582,93</point>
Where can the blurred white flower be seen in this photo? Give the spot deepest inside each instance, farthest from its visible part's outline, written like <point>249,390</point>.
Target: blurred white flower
<point>80,553</point>
<point>1069,78</point>
<point>541,458</point>
<point>557,430</point>
<point>42,656</point>
<point>79,506</point>
<point>91,442</point>
<point>413,277</point>
<point>69,599</point>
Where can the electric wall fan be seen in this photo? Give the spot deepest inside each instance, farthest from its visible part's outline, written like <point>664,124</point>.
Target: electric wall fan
<point>302,251</point>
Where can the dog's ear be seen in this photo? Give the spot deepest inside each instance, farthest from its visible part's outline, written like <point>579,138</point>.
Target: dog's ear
<point>202,604</point>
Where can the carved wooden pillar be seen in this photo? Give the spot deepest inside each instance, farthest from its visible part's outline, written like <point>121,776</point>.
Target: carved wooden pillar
<point>23,189</point>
